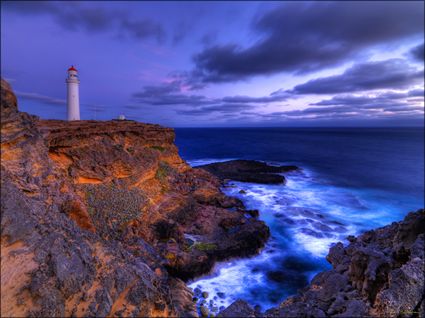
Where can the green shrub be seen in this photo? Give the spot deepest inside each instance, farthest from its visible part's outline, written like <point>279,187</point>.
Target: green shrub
<point>201,246</point>
<point>161,174</point>
<point>163,171</point>
<point>159,148</point>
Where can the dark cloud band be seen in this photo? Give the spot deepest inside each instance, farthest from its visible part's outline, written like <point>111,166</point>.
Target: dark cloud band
<point>305,37</point>
<point>388,74</point>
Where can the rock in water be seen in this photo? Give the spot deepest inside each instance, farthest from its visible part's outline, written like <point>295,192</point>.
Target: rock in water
<point>248,171</point>
<point>205,294</point>
<point>204,311</point>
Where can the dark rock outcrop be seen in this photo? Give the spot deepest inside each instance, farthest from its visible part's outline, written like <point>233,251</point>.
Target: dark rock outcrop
<point>96,219</point>
<point>248,171</point>
<point>379,274</point>
<point>239,308</point>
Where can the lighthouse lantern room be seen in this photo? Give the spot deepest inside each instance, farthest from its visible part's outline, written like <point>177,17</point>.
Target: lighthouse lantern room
<point>73,99</point>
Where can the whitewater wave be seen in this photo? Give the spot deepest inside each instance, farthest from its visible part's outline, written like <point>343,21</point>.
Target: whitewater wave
<point>306,216</point>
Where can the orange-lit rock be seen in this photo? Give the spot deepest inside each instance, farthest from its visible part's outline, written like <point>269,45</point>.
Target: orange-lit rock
<point>102,210</point>
<point>77,211</point>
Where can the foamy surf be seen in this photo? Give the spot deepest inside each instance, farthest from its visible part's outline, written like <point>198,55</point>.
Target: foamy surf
<point>306,216</point>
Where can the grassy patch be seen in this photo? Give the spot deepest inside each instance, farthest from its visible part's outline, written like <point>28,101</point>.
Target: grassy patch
<point>159,148</point>
<point>161,174</point>
<point>163,171</point>
<point>201,246</point>
<point>111,208</point>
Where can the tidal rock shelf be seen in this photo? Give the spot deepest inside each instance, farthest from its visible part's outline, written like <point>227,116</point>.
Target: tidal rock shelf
<point>248,171</point>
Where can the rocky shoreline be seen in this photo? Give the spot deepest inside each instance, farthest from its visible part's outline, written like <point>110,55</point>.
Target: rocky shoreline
<point>379,274</point>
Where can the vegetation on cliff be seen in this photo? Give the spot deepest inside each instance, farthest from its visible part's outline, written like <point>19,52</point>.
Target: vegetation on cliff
<point>111,208</point>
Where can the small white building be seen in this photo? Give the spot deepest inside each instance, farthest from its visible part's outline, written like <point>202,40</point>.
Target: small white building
<point>73,98</point>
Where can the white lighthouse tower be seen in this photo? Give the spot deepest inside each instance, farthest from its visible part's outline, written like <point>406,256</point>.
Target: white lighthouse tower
<point>73,100</point>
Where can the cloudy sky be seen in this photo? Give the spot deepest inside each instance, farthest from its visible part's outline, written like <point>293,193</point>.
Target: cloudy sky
<point>203,64</point>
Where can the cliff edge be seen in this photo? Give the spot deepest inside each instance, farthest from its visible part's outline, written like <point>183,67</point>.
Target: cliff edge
<point>103,218</point>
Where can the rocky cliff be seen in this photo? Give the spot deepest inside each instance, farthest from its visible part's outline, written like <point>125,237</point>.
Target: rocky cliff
<point>105,219</point>
<point>379,274</point>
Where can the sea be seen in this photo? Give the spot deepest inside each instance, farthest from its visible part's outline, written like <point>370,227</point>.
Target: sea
<point>350,180</point>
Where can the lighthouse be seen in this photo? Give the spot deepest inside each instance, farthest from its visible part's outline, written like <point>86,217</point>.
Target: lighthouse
<point>73,100</point>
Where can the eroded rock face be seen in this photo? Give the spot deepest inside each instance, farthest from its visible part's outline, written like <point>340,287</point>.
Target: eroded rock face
<point>9,102</point>
<point>248,171</point>
<point>96,219</point>
<point>379,274</point>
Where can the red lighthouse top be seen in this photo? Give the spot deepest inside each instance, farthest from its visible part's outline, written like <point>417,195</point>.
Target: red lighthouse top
<point>72,68</point>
